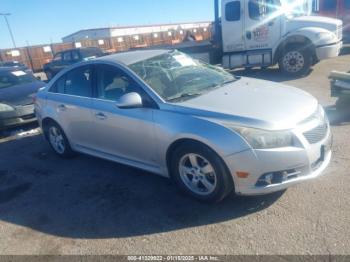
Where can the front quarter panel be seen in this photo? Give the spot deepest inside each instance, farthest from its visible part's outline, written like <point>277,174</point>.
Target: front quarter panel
<point>172,126</point>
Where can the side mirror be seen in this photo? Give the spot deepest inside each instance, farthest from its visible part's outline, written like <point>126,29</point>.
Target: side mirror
<point>129,101</point>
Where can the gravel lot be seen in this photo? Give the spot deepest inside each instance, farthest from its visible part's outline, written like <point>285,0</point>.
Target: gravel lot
<point>91,206</point>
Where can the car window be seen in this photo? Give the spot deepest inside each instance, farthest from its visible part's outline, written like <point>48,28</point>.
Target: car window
<point>67,56</point>
<point>91,52</point>
<point>75,55</point>
<point>13,78</point>
<point>78,82</point>
<point>113,83</point>
<point>58,57</point>
<point>58,86</point>
<point>233,11</point>
<point>174,75</point>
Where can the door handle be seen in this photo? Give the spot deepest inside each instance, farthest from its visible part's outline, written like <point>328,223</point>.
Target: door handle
<point>62,107</point>
<point>101,116</point>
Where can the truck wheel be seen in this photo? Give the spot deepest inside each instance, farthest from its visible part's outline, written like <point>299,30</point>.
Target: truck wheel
<point>295,61</point>
<point>201,173</point>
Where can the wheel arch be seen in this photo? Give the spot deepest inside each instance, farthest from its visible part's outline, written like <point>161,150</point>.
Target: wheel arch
<point>179,142</point>
<point>296,39</point>
<point>45,122</point>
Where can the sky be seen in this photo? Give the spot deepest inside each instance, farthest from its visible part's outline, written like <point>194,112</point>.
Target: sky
<point>46,21</point>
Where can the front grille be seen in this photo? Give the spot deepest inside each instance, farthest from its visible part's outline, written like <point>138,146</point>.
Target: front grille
<point>340,32</point>
<point>317,134</point>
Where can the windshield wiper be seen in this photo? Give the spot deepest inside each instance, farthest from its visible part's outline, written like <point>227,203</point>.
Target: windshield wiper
<point>184,95</point>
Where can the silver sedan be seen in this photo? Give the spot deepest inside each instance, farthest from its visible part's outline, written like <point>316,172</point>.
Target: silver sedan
<point>164,112</point>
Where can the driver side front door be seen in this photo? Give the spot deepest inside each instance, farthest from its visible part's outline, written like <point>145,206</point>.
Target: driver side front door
<point>125,134</point>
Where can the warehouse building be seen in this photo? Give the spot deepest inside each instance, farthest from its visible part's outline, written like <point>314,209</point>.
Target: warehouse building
<point>102,33</point>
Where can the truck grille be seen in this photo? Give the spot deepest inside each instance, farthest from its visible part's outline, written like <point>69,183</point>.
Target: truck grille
<point>340,32</point>
<point>317,134</point>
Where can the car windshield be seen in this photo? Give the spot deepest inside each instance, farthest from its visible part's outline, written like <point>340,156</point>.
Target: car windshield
<point>14,78</point>
<point>176,77</point>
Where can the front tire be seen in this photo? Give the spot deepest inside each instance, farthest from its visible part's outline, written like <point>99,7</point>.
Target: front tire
<point>58,140</point>
<point>295,61</point>
<point>200,172</point>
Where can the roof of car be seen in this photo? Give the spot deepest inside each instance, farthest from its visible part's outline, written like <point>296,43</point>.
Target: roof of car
<point>132,57</point>
<point>8,68</point>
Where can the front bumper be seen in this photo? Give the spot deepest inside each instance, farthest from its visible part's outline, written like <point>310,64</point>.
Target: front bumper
<point>306,162</point>
<point>328,51</point>
<point>20,116</point>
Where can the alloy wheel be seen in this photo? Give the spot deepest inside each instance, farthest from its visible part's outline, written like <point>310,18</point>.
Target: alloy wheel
<point>57,140</point>
<point>198,174</point>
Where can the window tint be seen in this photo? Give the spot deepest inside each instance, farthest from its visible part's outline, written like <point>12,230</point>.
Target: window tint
<point>233,11</point>
<point>67,56</point>
<point>329,5</point>
<point>347,4</point>
<point>113,83</point>
<point>78,82</point>
<point>91,52</point>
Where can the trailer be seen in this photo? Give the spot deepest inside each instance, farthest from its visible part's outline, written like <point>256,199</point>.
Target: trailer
<point>263,33</point>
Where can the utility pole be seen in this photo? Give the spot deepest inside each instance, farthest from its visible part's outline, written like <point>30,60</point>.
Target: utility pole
<point>5,15</point>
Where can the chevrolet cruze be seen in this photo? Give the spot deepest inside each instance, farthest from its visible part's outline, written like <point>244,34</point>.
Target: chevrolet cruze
<point>164,112</point>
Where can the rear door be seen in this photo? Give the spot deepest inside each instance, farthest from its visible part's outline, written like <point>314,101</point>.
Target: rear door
<point>232,25</point>
<point>71,98</point>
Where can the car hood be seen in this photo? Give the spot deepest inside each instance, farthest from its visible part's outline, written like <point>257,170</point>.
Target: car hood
<point>20,94</point>
<point>330,24</point>
<point>253,103</point>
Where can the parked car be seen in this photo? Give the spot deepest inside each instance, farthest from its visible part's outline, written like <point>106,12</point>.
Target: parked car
<point>15,64</point>
<point>17,90</point>
<point>66,58</point>
<point>167,113</point>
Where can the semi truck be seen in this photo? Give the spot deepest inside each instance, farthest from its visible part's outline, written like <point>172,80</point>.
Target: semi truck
<point>264,33</point>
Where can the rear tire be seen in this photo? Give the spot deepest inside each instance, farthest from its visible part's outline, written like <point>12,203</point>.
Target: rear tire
<point>296,60</point>
<point>201,173</point>
<point>58,140</point>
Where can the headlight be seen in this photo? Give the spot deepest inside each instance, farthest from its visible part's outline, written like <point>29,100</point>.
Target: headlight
<point>262,139</point>
<point>6,108</point>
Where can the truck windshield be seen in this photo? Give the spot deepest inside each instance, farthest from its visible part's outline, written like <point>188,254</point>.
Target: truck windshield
<point>177,77</point>
<point>296,7</point>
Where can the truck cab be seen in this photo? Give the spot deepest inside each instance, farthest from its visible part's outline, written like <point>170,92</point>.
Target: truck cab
<point>339,9</point>
<point>269,32</point>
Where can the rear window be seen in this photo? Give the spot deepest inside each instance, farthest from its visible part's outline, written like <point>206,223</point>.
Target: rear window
<point>14,78</point>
